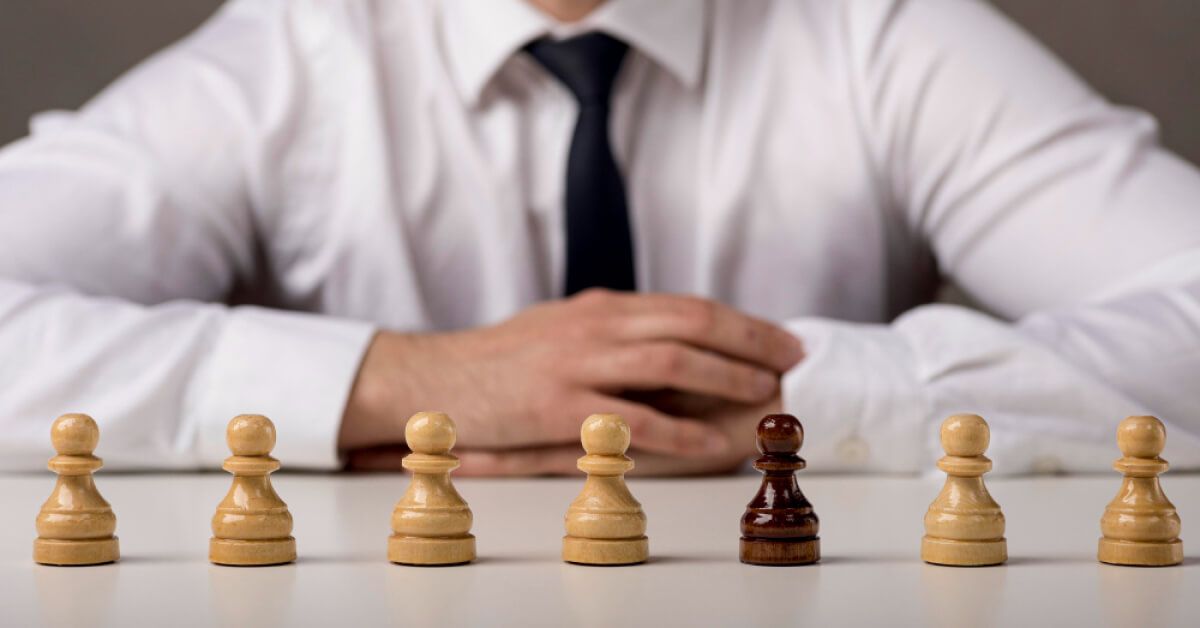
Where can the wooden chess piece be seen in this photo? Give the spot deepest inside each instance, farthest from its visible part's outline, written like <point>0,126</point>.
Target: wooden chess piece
<point>964,525</point>
<point>431,522</point>
<point>1140,525</point>
<point>252,525</point>
<point>75,525</point>
<point>605,524</point>
<point>779,526</point>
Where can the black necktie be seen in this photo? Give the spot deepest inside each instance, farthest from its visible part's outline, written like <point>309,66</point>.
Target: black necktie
<point>599,242</point>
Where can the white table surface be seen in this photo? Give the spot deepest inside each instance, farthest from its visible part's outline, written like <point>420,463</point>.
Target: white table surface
<point>870,574</point>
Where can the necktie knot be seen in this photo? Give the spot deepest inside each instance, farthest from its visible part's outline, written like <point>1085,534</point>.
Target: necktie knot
<point>587,64</point>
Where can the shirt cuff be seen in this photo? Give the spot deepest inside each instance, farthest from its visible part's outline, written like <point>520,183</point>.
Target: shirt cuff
<point>295,368</point>
<point>859,398</point>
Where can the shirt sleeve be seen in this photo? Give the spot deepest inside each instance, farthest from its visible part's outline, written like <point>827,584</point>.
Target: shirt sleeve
<point>1055,210</point>
<point>121,224</point>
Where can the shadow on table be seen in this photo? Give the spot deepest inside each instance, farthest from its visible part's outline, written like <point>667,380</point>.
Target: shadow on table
<point>1041,561</point>
<point>671,559</point>
<point>153,559</point>
<point>342,559</point>
<point>866,560</point>
<point>381,559</point>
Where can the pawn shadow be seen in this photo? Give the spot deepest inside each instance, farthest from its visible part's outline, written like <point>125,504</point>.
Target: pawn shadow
<point>513,560</point>
<point>683,559</point>
<point>334,560</point>
<point>154,559</point>
<point>1020,561</point>
<point>865,560</point>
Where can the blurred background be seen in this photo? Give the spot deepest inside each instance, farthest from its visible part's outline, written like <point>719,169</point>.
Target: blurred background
<point>54,54</point>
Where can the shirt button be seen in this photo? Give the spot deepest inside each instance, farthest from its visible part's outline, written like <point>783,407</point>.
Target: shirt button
<point>1047,464</point>
<point>852,450</point>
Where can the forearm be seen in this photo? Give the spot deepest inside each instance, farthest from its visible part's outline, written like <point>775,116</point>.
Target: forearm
<point>162,381</point>
<point>1053,386</point>
<point>1050,207</point>
<point>389,387</point>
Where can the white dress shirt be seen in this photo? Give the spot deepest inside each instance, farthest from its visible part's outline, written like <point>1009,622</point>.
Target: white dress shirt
<point>358,165</point>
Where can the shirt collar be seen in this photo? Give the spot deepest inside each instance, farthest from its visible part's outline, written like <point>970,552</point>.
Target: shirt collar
<point>480,35</point>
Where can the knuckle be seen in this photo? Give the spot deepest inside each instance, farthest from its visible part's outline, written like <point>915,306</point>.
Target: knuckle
<point>594,297</point>
<point>755,336</point>
<point>666,361</point>
<point>739,379</point>
<point>765,341</point>
<point>640,427</point>
<point>681,440</point>
<point>700,317</point>
<point>591,328</point>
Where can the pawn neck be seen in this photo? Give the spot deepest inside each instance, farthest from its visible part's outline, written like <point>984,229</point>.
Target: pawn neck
<point>1141,467</point>
<point>430,464</point>
<point>63,464</point>
<point>249,466</point>
<point>965,466</point>
<point>595,464</point>
<point>779,463</point>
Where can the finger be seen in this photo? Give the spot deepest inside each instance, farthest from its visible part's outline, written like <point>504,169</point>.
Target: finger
<point>563,460</point>
<point>557,460</point>
<point>675,402</point>
<point>710,325</point>
<point>672,365</point>
<point>384,458</point>
<point>665,466</point>
<point>654,431</point>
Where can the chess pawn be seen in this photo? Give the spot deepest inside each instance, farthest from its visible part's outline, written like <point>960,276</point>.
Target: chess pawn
<point>605,524</point>
<point>431,522</point>
<point>252,525</point>
<point>75,525</point>
<point>964,525</point>
<point>1140,525</point>
<point>779,526</point>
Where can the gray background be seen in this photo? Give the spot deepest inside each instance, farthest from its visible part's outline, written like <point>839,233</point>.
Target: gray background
<point>57,53</point>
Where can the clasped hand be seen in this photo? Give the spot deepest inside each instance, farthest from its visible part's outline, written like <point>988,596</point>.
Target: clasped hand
<point>690,376</point>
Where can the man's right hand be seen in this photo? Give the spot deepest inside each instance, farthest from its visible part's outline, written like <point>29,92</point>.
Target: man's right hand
<point>530,381</point>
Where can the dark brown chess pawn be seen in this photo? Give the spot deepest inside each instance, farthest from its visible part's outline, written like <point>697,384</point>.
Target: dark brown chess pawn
<point>780,527</point>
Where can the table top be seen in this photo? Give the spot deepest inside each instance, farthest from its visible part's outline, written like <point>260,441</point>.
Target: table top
<point>870,573</point>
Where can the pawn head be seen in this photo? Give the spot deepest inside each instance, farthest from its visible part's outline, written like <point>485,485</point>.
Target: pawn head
<point>430,433</point>
<point>779,434</point>
<point>74,435</point>
<point>250,435</point>
<point>605,435</point>
<point>1141,437</point>
<point>965,435</point>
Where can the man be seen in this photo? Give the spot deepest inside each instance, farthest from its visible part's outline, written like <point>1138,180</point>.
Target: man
<point>691,213</point>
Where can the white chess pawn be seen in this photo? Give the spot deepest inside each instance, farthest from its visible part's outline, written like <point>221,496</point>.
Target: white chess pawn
<point>75,526</point>
<point>252,525</point>
<point>431,522</point>
<point>1140,526</point>
<point>605,524</point>
<point>964,525</point>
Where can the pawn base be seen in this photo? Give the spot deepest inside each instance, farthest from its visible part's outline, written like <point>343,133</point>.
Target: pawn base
<point>804,551</point>
<point>605,551</point>
<point>76,552</point>
<point>963,553</point>
<point>252,553</point>
<point>1140,554</point>
<point>414,550</point>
